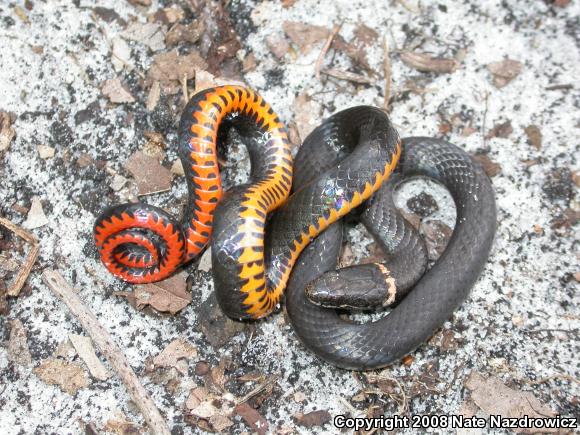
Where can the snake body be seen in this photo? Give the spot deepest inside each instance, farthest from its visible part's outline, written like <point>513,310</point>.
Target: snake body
<point>434,297</point>
<point>141,243</point>
<point>249,282</point>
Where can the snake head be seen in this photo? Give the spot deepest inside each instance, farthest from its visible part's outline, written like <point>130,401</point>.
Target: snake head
<point>367,286</point>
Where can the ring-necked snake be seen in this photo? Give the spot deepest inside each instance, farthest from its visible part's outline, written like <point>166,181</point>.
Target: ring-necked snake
<point>340,166</point>
<point>433,298</point>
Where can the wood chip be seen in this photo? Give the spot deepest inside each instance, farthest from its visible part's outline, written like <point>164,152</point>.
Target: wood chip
<point>196,396</point>
<point>116,92</point>
<point>150,175</point>
<point>205,261</point>
<point>168,295</point>
<point>504,71</point>
<point>252,418</point>
<point>176,351</point>
<point>534,136</point>
<point>36,217</point>
<point>17,348</point>
<point>69,377</point>
<point>45,151</point>
<point>177,168</point>
<point>149,34</point>
<point>427,63</point>
<point>146,3</point>
<point>84,347</point>
<point>7,133</point>
<point>305,36</point>
<point>206,80</point>
<point>153,96</point>
<point>121,55</point>
<point>495,398</point>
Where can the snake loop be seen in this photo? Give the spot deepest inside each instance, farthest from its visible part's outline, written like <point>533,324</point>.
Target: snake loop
<point>141,243</point>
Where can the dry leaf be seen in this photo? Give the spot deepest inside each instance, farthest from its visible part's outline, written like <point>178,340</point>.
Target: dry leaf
<point>169,15</point>
<point>277,45</point>
<point>426,63</point>
<point>198,395</point>
<point>17,345</point>
<point>121,55</point>
<point>149,34</point>
<point>504,71</point>
<point>534,136</point>
<point>365,34</point>
<point>220,422</point>
<point>175,351</point>
<point>306,114</point>
<point>70,377</point>
<point>85,349</point>
<point>312,419</point>
<point>114,90</point>
<point>168,295</point>
<point>36,217</point>
<point>45,152</point>
<point>494,398</point>
<point>7,133</point>
<point>305,35</point>
<point>169,69</point>
<point>252,418</point>
<point>490,167</point>
<point>206,80</point>
<point>150,175</point>
<point>185,32</point>
<point>502,130</point>
<point>121,426</point>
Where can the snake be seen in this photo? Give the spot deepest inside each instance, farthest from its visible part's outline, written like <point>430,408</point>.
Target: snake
<point>420,299</point>
<point>141,243</point>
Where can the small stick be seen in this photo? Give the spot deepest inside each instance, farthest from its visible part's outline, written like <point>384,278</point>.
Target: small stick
<point>184,86</point>
<point>556,376</point>
<point>325,49</point>
<point>348,76</point>
<point>387,72</point>
<point>30,258</point>
<point>112,352</point>
<point>257,390</point>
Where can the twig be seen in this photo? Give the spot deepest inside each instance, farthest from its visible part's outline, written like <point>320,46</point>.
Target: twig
<point>559,87</point>
<point>484,121</point>
<point>387,72</point>
<point>325,49</point>
<point>346,75</point>
<point>184,87</point>
<point>112,352</point>
<point>556,376</point>
<point>30,259</point>
<point>257,390</point>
